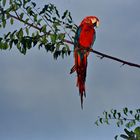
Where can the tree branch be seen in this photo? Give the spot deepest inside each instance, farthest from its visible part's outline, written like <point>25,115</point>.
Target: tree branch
<point>109,57</point>
<point>91,50</point>
<point>116,59</point>
<point>121,118</point>
<point>21,20</point>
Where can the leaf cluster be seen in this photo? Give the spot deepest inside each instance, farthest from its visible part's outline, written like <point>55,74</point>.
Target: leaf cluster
<point>45,28</point>
<point>126,117</point>
<point>131,135</point>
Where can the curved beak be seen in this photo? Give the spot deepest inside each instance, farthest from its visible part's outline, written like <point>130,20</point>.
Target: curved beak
<point>97,23</point>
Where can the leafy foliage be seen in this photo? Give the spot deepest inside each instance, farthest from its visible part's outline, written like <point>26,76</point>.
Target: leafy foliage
<point>40,27</point>
<point>126,117</point>
<point>131,135</point>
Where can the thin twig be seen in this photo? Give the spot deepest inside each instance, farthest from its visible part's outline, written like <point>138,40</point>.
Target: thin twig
<point>27,15</point>
<point>43,17</point>
<point>69,42</point>
<point>121,118</point>
<point>21,20</point>
<point>116,59</point>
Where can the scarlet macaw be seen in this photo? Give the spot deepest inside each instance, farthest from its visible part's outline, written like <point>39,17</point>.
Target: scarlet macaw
<point>84,39</point>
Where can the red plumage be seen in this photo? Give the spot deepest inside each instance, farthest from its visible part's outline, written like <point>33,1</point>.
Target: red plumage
<point>84,39</point>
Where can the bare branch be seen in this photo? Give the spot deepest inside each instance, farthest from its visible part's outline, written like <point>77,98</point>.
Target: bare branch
<point>116,59</point>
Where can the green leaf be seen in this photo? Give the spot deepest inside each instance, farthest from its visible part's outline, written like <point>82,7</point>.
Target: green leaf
<point>27,30</point>
<point>15,41</point>
<point>33,34</point>
<point>124,136</point>
<point>131,112</point>
<point>6,46</point>
<point>4,2</point>
<point>18,3</point>
<point>11,21</point>
<point>68,26</point>
<point>35,41</point>
<point>101,120</point>
<point>11,44</point>
<point>4,23</point>
<point>116,137</point>
<point>43,29</point>
<point>38,22</point>
<point>29,9</point>
<point>65,13</point>
<point>7,35</point>
<point>19,34</point>
<point>109,116</point>
<point>14,7</point>
<point>1,45</point>
<point>25,2</point>
<point>137,132</point>
<point>119,115</point>
<point>23,50</point>
<point>130,124</point>
<point>58,46</point>
<point>12,35</point>
<point>125,110</point>
<point>65,52</point>
<point>28,43</point>
<point>26,21</point>
<point>106,121</point>
<point>44,39</point>
<point>11,2</point>
<point>68,49</point>
<point>56,54</point>
<point>1,39</point>
<point>35,17</point>
<point>137,117</point>
<point>34,4</point>
<point>7,14</point>
<point>105,114</point>
<point>70,17</point>
<point>127,132</point>
<point>57,13</point>
<point>118,123</point>
<point>53,38</point>
<point>97,123</point>
<point>114,113</point>
<point>61,36</point>
<point>21,15</point>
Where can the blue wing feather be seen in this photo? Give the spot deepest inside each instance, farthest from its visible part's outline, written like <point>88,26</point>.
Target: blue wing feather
<point>77,36</point>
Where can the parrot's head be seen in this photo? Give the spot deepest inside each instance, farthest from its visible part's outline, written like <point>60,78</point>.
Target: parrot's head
<point>91,20</point>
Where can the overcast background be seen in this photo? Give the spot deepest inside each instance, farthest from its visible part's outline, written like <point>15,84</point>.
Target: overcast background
<point>38,97</point>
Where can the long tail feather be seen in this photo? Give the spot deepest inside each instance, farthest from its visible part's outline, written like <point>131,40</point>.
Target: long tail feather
<point>80,67</point>
<point>81,77</point>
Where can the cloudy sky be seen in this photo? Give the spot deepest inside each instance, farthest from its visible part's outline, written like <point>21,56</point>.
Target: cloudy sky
<point>38,97</point>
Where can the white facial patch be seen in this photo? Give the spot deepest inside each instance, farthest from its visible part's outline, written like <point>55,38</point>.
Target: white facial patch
<point>93,20</point>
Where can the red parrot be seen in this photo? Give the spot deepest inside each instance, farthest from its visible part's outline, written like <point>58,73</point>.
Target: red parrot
<point>83,41</point>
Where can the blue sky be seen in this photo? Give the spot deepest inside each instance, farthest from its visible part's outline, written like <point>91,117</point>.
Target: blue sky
<point>38,97</point>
